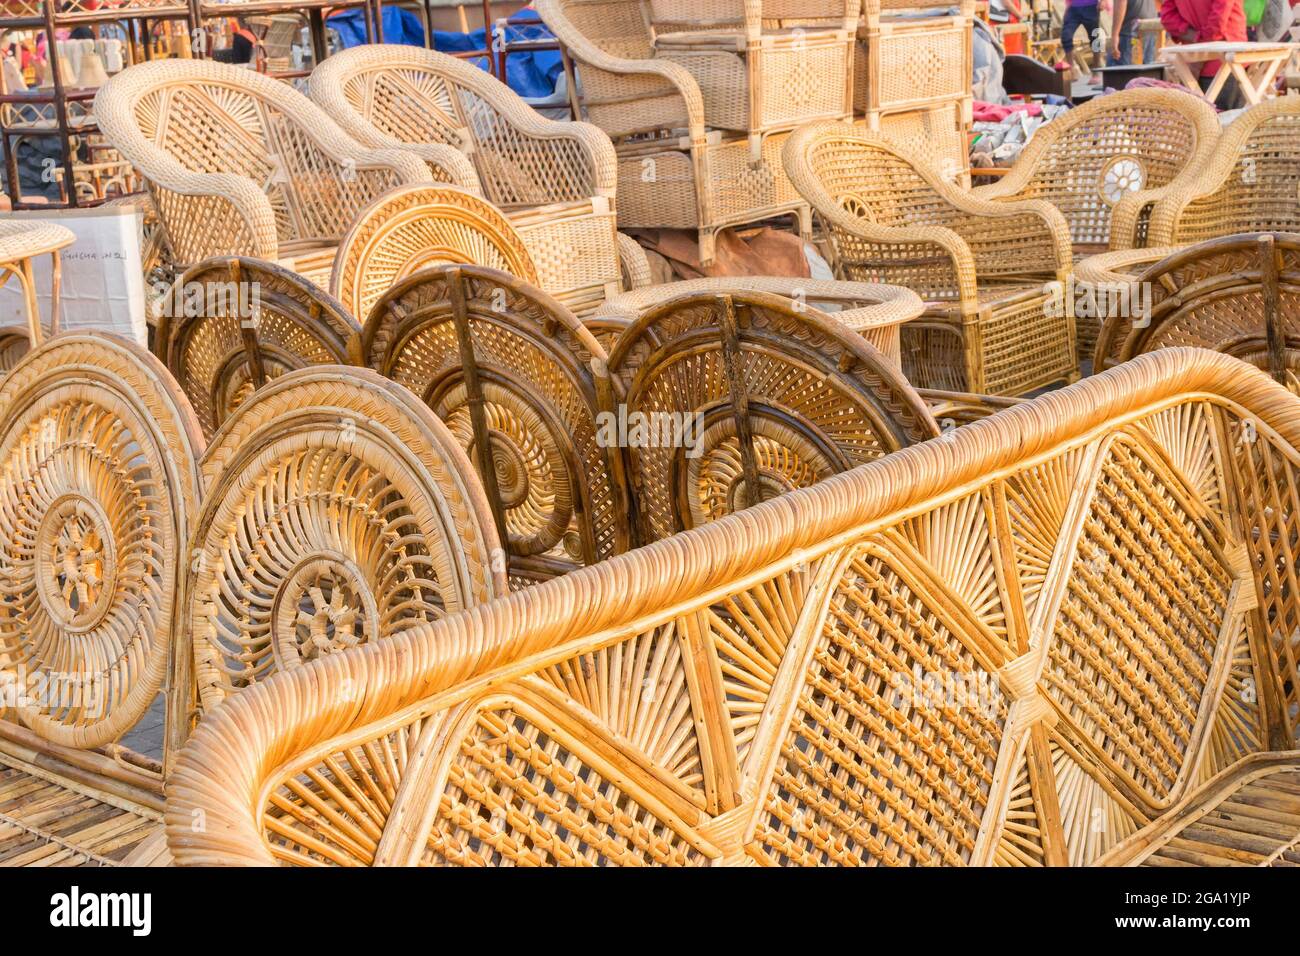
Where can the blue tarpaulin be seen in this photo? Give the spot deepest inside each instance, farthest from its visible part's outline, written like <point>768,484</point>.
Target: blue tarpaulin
<point>531,74</point>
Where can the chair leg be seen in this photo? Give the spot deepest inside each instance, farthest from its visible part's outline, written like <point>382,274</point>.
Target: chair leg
<point>56,279</point>
<point>28,282</point>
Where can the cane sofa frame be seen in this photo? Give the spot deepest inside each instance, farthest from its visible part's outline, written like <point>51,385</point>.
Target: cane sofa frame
<point>1239,295</point>
<point>519,380</point>
<point>1248,185</point>
<point>231,324</point>
<point>987,270</point>
<point>766,708</point>
<point>1106,164</point>
<point>779,396</point>
<point>104,478</point>
<point>240,164</point>
<point>674,172</point>
<point>556,181</point>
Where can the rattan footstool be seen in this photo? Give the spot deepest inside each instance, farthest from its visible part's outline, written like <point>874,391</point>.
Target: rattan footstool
<point>874,311</point>
<point>21,241</point>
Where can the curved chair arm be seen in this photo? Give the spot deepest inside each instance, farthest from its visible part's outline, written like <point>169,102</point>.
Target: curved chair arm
<point>1003,235</point>
<point>446,163</point>
<point>1130,220</point>
<point>632,263</point>
<point>210,214</point>
<point>888,253</point>
<point>680,102</point>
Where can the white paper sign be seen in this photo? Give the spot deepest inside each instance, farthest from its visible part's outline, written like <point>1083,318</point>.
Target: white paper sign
<point>102,286</point>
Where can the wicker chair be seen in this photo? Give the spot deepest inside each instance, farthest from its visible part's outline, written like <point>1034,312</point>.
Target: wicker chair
<point>555,181</point>
<point>240,164</point>
<point>1239,295</point>
<point>1249,184</point>
<point>517,379</point>
<point>761,65</point>
<point>990,272</point>
<point>231,324</point>
<point>1105,164</point>
<point>337,510</point>
<point>1060,637</point>
<point>742,397</point>
<point>673,172</point>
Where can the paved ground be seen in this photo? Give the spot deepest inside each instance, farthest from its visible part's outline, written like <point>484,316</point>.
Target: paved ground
<point>146,737</point>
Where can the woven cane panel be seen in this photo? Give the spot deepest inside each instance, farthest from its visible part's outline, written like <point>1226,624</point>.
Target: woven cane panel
<point>740,189</point>
<point>869,775</point>
<point>414,106</point>
<point>1021,843</point>
<point>577,252</point>
<point>518,796</point>
<point>937,133</point>
<point>1270,500</point>
<point>637,688</point>
<point>1138,628</point>
<point>657,191</point>
<point>1024,346</point>
<point>751,630</point>
<point>911,64</point>
<point>334,811</point>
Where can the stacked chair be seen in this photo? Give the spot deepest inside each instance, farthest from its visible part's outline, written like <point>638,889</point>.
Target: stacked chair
<point>699,104</point>
<point>912,79</point>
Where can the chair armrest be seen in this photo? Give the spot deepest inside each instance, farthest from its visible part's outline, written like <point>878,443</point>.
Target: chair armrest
<point>446,164</point>
<point>632,262</point>
<point>935,261</point>
<point>211,214</point>
<point>1005,235</point>
<point>1130,220</point>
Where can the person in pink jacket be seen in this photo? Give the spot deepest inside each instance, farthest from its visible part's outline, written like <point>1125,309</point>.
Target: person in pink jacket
<point>1207,21</point>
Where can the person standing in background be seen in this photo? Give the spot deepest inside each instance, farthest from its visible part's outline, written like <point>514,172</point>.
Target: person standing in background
<point>1078,13</point>
<point>1124,25</point>
<point>1207,21</point>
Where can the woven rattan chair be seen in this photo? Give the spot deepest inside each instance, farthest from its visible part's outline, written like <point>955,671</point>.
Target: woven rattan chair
<point>673,171</point>
<point>1239,295</point>
<point>746,397</point>
<point>231,324</point>
<point>337,510</point>
<point>988,271</point>
<point>1061,636</point>
<point>761,65</point>
<point>1249,184</point>
<point>1106,163</point>
<point>517,379</point>
<point>555,181</point>
<point>240,164</point>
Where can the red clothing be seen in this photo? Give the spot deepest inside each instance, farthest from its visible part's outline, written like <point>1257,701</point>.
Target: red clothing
<point>1214,21</point>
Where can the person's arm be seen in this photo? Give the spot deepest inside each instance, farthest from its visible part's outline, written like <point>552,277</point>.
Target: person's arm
<point>1117,25</point>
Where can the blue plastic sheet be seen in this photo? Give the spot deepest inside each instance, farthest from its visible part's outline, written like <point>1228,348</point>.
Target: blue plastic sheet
<point>531,74</point>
